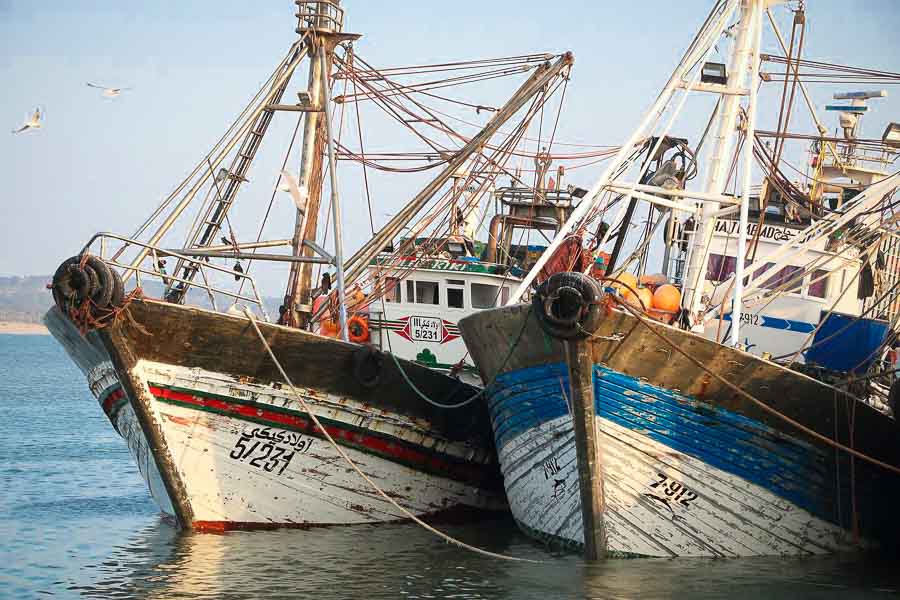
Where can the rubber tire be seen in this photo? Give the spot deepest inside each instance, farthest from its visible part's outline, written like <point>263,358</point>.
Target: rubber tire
<point>62,280</point>
<point>92,288</point>
<point>118,289</point>
<point>105,283</point>
<point>368,365</point>
<point>577,286</point>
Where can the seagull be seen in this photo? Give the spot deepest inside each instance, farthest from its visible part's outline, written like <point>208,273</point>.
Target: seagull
<point>34,122</point>
<point>289,184</point>
<point>108,92</point>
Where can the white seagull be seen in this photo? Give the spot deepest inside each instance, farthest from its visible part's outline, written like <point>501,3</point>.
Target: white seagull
<point>34,122</point>
<point>299,194</point>
<point>108,92</point>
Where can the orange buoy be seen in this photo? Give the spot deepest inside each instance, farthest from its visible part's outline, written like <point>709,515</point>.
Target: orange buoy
<point>329,328</point>
<point>358,329</point>
<point>628,280</point>
<point>644,298</point>
<point>667,298</point>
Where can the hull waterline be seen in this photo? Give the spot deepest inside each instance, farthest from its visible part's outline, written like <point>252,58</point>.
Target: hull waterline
<point>688,467</point>
<point>223,443</point>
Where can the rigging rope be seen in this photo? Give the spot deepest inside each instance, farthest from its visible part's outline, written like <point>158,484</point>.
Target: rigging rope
<point>356,468</point>
<point>796,424</point>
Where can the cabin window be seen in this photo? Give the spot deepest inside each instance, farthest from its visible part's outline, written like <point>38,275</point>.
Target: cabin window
<point>427,292</point>
<point>410,291</point>
<point>504,295</point>
<point>455,290</point>
<point>719,268</point>
<point>818,285</point>
<point>484,295</point>
<point>788,279</point>
<point>391,289</point>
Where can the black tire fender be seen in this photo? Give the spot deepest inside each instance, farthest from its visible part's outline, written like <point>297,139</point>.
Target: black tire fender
<point>105,282</point>
<point>118,289</point>
<point>567,305</point>
<point>368,364</point>
<point>69,281</point>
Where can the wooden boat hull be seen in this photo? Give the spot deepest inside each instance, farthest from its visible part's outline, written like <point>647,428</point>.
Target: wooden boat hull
<point>223,443</point>
<point>688,467</point>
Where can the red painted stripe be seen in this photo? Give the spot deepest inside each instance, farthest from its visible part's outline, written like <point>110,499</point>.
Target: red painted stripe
<point>378,445</point>
<point>114,396</point>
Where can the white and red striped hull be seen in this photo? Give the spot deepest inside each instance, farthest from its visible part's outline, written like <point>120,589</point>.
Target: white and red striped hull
<point>245,454</point>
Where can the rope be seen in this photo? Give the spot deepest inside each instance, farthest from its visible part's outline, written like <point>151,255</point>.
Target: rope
<point>756,401</point>
<point>476,394</point>
<point>350,462</point>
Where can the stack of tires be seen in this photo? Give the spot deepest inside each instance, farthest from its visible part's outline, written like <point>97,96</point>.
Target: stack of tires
<point>86,278</point>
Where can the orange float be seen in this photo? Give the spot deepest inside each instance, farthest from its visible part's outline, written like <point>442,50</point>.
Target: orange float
<point>625,280</point>
<point>329,328</point>
<point>667,298</point>
<point>645,298</point>
<point>666,302</point>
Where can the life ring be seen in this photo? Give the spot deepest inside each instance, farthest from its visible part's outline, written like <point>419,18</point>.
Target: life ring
<point>358,329</point>
<point>368,364</point>
<point>568,305</point>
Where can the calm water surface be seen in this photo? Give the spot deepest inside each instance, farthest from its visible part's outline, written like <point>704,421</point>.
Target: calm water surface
<point>77,521</point>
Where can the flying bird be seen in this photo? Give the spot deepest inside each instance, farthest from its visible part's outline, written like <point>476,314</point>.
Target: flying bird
<point>289,184</point>
<point>34,122</point>
<point>108,92</point>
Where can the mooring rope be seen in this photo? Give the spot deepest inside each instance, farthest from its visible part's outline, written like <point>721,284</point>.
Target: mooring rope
<point>412,517</point>
<point>757,401</point>
<point>480,392</point>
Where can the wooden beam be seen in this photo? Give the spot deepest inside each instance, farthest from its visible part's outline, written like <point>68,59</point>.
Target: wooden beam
<point>590,473</point>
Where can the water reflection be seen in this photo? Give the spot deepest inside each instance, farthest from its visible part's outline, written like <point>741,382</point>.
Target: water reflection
<point>403,561</point>
<point>384,561</point>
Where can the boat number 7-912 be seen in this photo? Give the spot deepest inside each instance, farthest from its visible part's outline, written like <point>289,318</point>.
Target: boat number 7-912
<point>675,491</point>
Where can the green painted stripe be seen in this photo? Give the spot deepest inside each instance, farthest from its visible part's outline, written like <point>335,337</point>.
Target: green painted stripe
<point>295,413</point>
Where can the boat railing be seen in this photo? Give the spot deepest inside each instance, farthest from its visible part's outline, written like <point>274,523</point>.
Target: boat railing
<point>319,15</point>
<point>99,245</point>
<point>861,155</point>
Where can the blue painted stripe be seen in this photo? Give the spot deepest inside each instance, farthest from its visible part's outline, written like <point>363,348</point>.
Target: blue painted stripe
<point>792,469</point>
<point>779,323</point>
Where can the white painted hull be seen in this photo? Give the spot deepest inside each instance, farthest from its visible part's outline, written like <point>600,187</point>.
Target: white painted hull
<point>729,517</point>
<point>227,486</point>
<point>236,467</point>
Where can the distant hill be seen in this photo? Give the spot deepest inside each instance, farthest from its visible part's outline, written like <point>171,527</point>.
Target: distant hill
<point>26,299</point>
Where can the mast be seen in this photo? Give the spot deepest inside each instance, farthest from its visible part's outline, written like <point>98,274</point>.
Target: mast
<point>750,132</point>
<point>357,263</point>
<point>321,22</point>
<point>745,45</point>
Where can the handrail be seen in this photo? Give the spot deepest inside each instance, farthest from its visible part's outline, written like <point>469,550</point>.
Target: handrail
<point>319,15</point>
<point>153,252</point>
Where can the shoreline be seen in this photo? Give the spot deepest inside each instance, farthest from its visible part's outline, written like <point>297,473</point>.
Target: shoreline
<point>22,328</point>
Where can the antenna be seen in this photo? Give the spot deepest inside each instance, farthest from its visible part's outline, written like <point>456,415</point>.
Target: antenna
<point>850,114</point>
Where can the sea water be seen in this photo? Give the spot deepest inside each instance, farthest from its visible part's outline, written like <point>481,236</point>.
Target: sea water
<point>76,521</point>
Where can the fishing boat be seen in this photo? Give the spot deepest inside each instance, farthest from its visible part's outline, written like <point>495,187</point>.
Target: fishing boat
<point>633,421</point>
<point>166,333</point>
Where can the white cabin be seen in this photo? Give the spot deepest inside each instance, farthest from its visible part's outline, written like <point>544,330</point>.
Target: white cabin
<point>417,317</point>
<point>780,324</point>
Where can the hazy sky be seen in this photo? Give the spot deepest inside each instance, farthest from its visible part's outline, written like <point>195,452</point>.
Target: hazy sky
<point>103,165</point>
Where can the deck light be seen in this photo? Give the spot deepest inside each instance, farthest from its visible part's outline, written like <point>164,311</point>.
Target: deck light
<point>714,73</point>
<point>891,135</point>
<point>576,192</point>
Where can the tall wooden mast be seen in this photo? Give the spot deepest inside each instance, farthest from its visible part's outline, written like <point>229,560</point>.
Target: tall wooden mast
<point>322,22</point>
